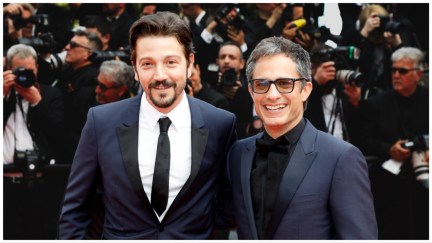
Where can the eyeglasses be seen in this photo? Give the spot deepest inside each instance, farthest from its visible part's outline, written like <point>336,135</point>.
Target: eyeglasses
<point>402,71</point>
<point>74,44</point>
<point>283,85</point>
<point>103,87</point>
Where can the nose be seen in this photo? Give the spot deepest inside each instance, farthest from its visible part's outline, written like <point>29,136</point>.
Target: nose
<point>273,93</point>
<point>160,73</point>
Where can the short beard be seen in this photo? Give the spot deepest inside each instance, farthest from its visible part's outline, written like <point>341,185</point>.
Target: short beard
<point>164,101</point>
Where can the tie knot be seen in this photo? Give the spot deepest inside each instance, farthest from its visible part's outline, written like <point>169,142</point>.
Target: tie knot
<point>164,124</point>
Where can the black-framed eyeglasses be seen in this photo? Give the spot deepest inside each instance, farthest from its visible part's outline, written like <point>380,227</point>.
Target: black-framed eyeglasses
<point>74,44</point>
<point>402,71</point>
<point>283,85</point>
<point>103,87</point>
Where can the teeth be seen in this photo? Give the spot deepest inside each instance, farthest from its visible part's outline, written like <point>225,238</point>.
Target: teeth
<point>276,107</point>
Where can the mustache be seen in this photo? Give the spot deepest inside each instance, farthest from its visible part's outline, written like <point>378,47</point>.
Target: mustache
<point>164,83</point>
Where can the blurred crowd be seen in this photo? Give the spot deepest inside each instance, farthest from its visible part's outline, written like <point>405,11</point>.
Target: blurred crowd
<point>370,82</point>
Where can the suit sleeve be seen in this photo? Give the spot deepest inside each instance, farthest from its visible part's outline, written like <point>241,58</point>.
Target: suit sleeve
<point>224,203</point>
<point>351,201</point>
<point>75,211</point>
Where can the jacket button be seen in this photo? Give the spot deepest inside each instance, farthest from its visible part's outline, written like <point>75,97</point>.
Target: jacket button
<point>161,228</point>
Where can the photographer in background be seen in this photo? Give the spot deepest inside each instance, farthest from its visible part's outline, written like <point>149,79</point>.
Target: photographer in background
<point>32,123</point>
<point>114,79</point>
<point>377,38</point>
<point>16,23</point>
<point>233,85</point>
<point>79,76</point>
<point>333,103</point>
<point>202,90</point>
<point>390,119</point>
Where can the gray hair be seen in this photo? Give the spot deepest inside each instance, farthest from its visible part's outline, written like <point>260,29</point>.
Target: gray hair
<point>121,73</point>
<point>278,45</point>
<point>410,53</point>
<point>20,51</point>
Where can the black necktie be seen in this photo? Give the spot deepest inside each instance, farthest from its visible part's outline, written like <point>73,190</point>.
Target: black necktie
<point>159,196</point>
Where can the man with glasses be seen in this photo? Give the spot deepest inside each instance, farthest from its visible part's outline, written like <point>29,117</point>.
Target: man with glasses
<point>292,181</point>
<point>390,120</point>
<point>75,82</point>
<point>114,79</point>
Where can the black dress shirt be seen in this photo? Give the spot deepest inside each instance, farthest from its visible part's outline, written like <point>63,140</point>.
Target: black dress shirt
<point>271,159</point>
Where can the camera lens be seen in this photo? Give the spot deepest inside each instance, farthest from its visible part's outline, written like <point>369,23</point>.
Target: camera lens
<point>350,77</point>
<point>24,77</point>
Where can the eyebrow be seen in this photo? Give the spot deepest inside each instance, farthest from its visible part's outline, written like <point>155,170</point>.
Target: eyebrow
<point>166,57</point>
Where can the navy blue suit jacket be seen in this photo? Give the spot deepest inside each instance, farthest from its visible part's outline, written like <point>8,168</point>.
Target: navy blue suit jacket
<point>324,192</point>
<point>109,147</point>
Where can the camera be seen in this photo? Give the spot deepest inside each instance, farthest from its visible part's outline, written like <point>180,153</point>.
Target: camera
<point>229,77</point>
<point>417,143</point>
<point>387,24</point>
<point>28,162</point>
<point>223,18</point>
<point>101,56</point>
<point>340,55</point>
<point>44,43</point>
<point>24,77</point>
<point>350,77</point>
<point>321,34</point>
<point>41,20</point>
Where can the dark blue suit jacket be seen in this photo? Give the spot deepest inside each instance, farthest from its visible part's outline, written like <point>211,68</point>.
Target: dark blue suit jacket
<point>324,192</point>
<point>109,147</point>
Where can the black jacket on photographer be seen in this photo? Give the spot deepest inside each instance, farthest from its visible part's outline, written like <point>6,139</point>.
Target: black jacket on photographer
<point>401,202</point>
<point>45,120</point>
<point>77,87</point>
<point>241,106</point>
<point>343,109</point>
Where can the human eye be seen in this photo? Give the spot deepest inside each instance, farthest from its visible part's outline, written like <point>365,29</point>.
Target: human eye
<point>285,84</point>
<point>261,84</point>
<point>146,64</point>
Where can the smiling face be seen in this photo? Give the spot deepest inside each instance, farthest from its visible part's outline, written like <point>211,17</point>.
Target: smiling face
<point>279,112</point>
<point>162,69</point>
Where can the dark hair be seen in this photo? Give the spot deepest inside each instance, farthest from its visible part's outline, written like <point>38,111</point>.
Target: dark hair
<point>98,22</point>
<point>161,24</point>
<point>94,41</point>
<point>232,43</point>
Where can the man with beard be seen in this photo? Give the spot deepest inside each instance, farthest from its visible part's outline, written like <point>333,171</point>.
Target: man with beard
<point>160,156</point>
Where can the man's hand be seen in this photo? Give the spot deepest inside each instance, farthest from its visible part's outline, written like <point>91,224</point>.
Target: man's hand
<point>230,91</point>
<point>398,153</point>
<point>353,93</point>
<point>13,9</point>
<point>8,81</point>
<point>31,94</point>
<point>325,72</point>
<point>236,35</point>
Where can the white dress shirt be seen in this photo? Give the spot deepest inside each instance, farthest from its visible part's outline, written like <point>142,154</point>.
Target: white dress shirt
<point>179,134</point>
<point>16,134</point>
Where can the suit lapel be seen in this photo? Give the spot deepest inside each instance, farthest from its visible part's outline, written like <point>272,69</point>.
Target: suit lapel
<point>128,139</point>
<point>246,169</point>
<point>299,164</point>
<point>199,143</point>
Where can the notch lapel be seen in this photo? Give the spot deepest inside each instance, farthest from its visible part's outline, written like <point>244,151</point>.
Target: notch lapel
<point>199,139</point>
<point>298,166</point>
<point>246,169</point>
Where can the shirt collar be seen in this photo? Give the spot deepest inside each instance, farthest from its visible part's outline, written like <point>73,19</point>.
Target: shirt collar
<point>180,116</point>
<point>291,136</point>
